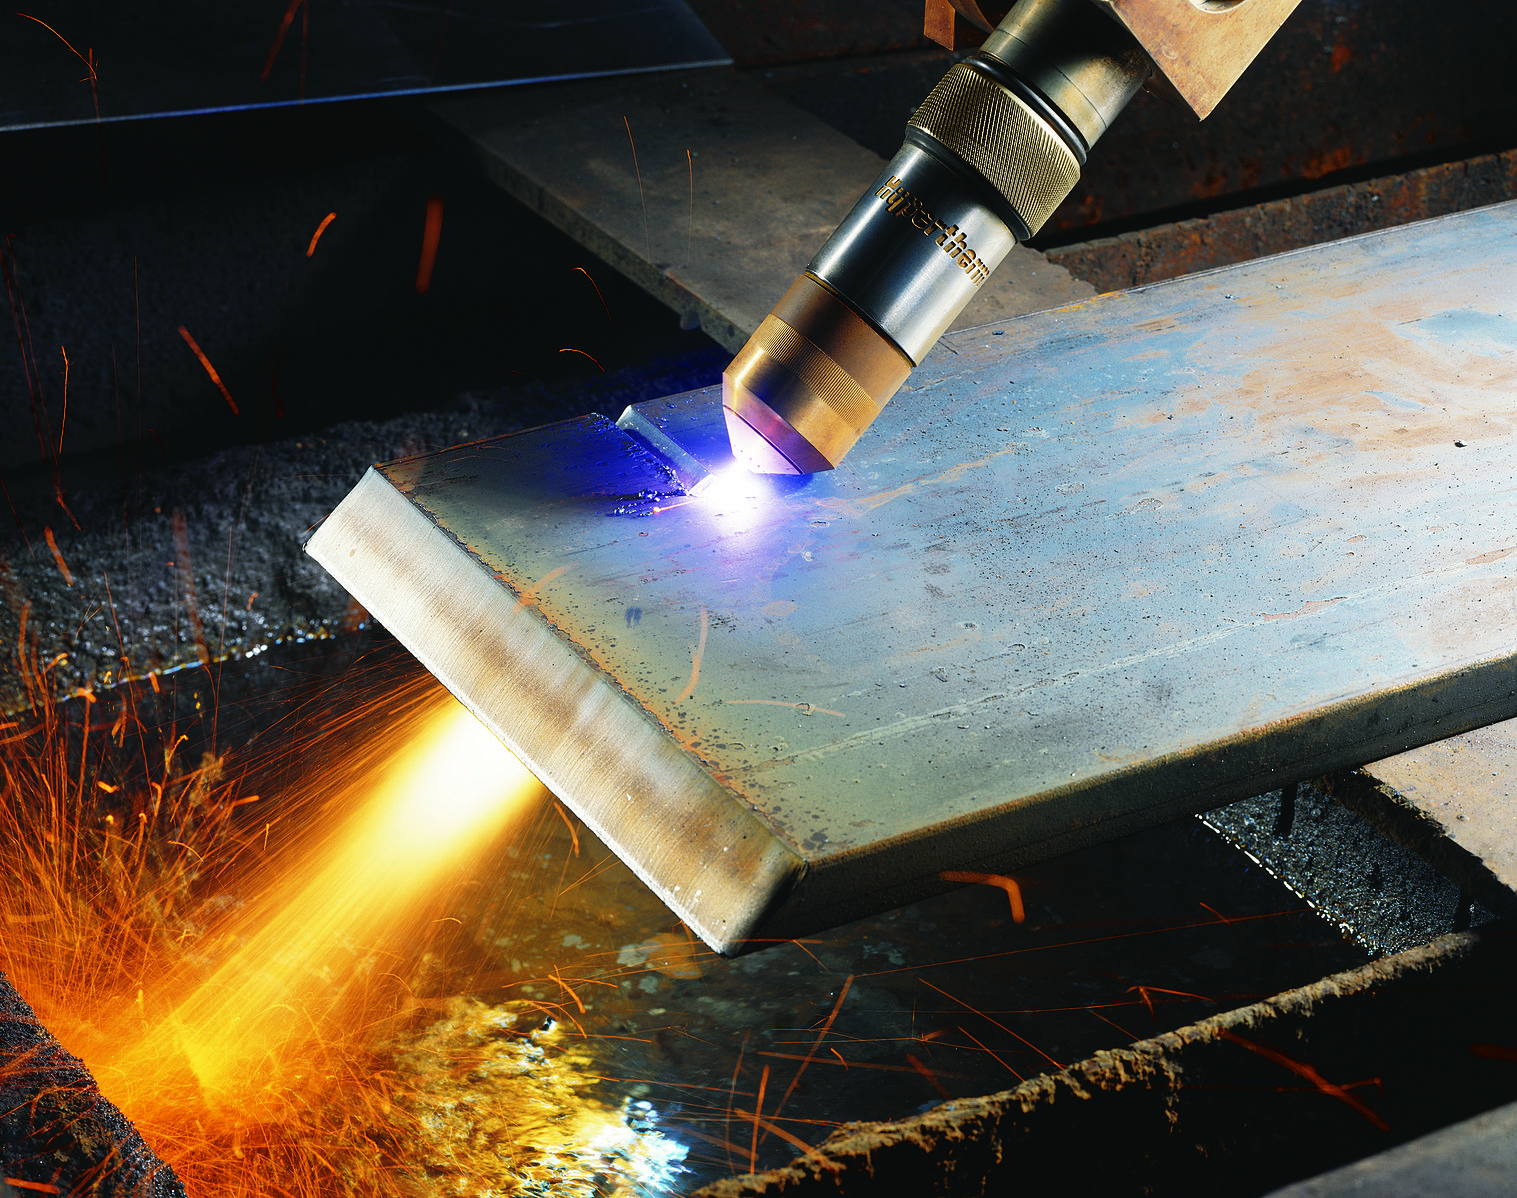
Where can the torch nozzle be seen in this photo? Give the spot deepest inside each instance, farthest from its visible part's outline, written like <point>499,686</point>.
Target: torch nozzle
<point>987,157</point>
<point>808,382</point>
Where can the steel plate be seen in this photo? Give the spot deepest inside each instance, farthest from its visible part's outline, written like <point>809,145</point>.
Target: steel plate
<point>1098,567</point>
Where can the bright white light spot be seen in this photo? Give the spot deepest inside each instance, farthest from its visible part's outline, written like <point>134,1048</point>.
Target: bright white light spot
<point>732,482</point>
<point>456,781</point>
<point>735,496</point>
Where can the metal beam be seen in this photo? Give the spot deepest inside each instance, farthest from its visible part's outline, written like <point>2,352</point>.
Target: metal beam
<point>1098,567</point>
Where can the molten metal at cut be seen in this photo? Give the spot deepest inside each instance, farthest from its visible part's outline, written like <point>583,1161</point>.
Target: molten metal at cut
<point>986,159</point>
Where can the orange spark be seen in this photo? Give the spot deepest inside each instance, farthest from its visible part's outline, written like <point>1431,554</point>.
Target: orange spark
<point>284,28</point>
<point>592,358</point>
<point>320,229</point>
<point>88,59</point>
<point>569,990</point>
<point>793,1141</point>
<point>995,1057</point>
<point>932,1078</point>
<point>573,831</point>
<point>63,503</point>
<point>717,1140</point>
<point>1111,1022</point>
<point>63,421</point>
<point>757,1110</point>
<point>431,234</point>
<point>58,556</point>
<point>1145,991</point>
<point>1301,1069</point>
<point>732,1092</point>
<point>647,237</point>
<point>596,285</point>
<point>88,62</point>
<point>1013,891</point>
<point>1493,1052</point>
<point>820,1036</point>
<point>1217,913</point>
<point>210,370</point>
<point>42,1187</point>
<point>697,653</point>
<point>999,1024</point>
<point>251,597</point>
<point>847,1064</point>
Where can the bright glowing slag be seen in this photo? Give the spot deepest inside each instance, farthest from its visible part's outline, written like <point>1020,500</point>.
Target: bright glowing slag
<point>270,1041</point>
<point>445,797</point>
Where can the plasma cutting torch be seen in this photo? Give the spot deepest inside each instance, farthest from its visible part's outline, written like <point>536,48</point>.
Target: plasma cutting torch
<point>988,156</point>
<point>505,567</point>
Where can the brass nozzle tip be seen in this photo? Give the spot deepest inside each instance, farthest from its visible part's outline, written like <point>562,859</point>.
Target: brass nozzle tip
<point>809,381</point>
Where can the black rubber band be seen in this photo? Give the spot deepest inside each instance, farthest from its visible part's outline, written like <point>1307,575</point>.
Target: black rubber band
<point>998,72</point>
<point>980,188</point>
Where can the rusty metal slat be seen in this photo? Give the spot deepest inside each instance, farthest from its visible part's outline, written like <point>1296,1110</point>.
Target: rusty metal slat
<point>1239,234</point>
<point>1451,802</point>
<point>1097,567</point>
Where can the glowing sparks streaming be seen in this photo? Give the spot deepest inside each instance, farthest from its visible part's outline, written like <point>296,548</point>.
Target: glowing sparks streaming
<point>445,796</point>
<point>276,1030</point>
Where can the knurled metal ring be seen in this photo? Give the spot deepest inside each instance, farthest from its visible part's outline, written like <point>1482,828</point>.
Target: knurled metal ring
<point>990,128</point>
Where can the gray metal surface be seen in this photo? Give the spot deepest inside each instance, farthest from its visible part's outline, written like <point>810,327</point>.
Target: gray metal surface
<point>1473,1159</point>
<point>733,190</point>
<point>1101,566</point>
<point>174,57</point>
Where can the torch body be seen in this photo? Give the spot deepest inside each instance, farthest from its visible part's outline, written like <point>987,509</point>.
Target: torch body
<point>985,160</point>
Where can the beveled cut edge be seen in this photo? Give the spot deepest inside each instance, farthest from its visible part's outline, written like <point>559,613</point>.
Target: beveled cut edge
<point>693,842</point>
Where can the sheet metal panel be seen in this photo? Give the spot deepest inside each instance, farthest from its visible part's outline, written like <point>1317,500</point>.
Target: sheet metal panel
<point>1098,567</point>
